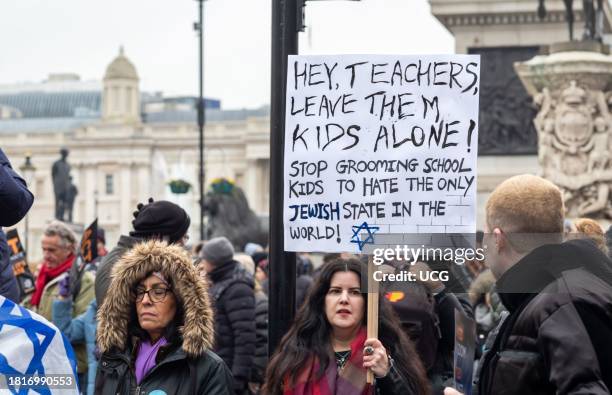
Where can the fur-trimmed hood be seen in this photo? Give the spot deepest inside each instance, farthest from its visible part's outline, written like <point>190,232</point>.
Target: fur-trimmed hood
<point>174,263</point>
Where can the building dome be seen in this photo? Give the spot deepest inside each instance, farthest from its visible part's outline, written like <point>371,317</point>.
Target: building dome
<point>121,67</point>
<point>121,96</point>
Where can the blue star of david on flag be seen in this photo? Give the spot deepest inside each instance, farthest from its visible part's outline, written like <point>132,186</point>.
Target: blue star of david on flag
<point>357,237</point>
<point>30,345</point>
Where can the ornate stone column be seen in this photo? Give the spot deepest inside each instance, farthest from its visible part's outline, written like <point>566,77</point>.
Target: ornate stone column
<point>572,87</point>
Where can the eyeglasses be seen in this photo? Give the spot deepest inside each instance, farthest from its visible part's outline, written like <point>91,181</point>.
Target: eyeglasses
<point>156,295</point>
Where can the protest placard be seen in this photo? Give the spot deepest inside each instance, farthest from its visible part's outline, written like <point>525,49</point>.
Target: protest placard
<point>465,347</point>
<point>379,144</point>
<point>88,251</point>
<point>21,270</point>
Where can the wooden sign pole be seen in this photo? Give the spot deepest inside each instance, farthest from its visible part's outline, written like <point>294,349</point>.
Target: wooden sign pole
<point>372,309</point>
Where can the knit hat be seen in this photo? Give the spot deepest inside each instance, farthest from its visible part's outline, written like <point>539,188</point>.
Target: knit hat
<point>217,251</point>
<point>161,218</point>
<point>251,248</point>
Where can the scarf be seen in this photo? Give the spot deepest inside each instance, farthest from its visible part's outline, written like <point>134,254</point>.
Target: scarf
<point>46,275</point>
<point>145,360</point>
<point>351,380</point>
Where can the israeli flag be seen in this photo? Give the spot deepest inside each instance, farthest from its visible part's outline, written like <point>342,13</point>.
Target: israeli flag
<point>32,347</point>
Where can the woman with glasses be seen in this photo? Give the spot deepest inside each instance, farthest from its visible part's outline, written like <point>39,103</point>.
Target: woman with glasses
<point>327,351</point>
<point>156,328</point>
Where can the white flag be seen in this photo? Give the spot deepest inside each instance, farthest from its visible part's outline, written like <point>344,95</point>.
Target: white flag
<point>35,357</point>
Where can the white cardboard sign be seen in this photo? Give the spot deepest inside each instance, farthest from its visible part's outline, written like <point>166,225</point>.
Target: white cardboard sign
<point>379,144</point>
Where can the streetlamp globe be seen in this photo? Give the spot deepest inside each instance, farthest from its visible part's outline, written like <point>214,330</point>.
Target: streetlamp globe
<point>27,171</point>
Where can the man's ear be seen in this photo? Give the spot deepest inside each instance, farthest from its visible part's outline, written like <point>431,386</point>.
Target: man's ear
<point>501,242</point>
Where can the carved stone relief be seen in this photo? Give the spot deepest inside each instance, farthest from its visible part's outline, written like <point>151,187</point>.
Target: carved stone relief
<point>574,147</point>
<point>572,89</point>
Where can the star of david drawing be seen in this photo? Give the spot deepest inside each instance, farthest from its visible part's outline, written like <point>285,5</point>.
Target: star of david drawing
<point>37,332</point>
<point>368,240</point>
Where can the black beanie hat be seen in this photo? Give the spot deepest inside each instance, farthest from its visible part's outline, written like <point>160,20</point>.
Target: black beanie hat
<point>259,256</point>
<point>161,218</point>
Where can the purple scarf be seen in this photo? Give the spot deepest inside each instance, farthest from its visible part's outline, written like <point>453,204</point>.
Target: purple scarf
<point>145,360</point>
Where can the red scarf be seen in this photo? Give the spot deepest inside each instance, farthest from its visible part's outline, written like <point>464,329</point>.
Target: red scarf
<point>45,275</point>
<point>351,380</point>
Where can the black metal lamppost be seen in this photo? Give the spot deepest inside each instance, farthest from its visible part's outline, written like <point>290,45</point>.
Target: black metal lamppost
<point>287,21</point>
<point>199,27</point>
<point>27,170</point>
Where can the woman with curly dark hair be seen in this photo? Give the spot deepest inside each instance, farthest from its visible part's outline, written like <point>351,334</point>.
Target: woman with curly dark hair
<point>326,351</point>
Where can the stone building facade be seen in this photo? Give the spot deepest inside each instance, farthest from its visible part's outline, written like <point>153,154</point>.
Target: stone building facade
<point>120,155</point>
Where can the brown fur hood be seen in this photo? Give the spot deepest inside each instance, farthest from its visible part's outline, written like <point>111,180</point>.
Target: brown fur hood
<point>191,290</point>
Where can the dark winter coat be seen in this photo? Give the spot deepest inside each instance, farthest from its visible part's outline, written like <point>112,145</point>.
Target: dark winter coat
<point>261,335</point>
<point>442,370</point>
<point>302,285</point>
<point>394,383</point>
<point>81,329</point>
<point>234,304</point>
<point>175,373</point>
<point>15,201</point>
<point>8,283</point>
<point>107,262</point>
<point>186,365</point>
<point>556,339</point>
<point>15,198</point>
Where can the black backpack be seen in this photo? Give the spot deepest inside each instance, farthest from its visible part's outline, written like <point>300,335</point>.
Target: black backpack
<point>415,307</point>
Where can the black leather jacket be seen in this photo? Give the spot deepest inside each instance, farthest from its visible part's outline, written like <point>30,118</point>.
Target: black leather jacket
<point>394,383</point>
<point>556,339</point>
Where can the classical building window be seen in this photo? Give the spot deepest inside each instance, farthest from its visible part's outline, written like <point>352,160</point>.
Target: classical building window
<point>115,99</point>
<point>109,184</point>
<point>39,192</point>
<point>128,100</point>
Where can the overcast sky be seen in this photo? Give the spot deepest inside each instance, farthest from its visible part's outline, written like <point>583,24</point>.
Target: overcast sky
<point>38,37</point>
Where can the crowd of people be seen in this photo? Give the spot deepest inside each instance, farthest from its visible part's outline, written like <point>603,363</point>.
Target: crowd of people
<point>156,313</point>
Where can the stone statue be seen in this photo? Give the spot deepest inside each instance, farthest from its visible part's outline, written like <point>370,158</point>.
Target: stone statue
<point>60,174</point>
<point>70,197</point>
<point>593,18</point>
<point>588,9</point>
<point>229,215</point>
<point>574,135</point>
